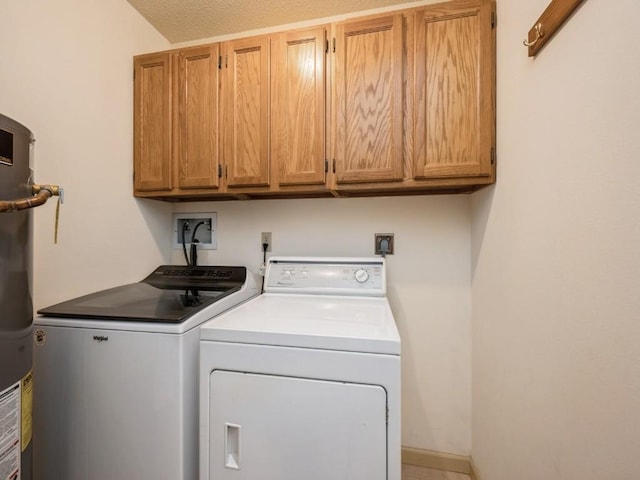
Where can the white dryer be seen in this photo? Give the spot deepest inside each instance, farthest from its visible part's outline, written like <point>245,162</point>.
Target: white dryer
<point>303,382</point>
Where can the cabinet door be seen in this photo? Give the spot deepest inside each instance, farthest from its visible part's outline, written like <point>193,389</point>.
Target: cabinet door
<point>152,122</point>
<point>369,100</point>
<point>198,140</point>
<point>298,106</point>
<point>246,107</point>
<point>455,90</point>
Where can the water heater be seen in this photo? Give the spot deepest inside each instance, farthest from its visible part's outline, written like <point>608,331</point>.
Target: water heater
<point>16,310</point>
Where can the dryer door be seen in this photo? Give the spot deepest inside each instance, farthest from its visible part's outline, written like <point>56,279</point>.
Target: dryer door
<point>285,428</point>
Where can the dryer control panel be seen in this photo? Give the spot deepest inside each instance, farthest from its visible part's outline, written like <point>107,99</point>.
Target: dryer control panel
<point>326,275</point>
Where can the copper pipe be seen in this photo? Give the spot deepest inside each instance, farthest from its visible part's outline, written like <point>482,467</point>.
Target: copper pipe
<point>41,193</point>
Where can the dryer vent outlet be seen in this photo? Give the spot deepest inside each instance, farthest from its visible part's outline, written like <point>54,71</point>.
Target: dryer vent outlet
<point>383,244</point>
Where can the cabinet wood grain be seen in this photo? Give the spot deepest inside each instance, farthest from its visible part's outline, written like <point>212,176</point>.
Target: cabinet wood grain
<point>298,107</point>
<point>454,90</point>
<point>369,100</point>
<point>246,94</point>
<point>152,122</point>
<point>197,142</point>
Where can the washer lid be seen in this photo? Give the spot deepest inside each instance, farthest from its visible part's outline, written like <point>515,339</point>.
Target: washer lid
<point>170,294</point>
<point>353,324</point>
<point>172,299</point>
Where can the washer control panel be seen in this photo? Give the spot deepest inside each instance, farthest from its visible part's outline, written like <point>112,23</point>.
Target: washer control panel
<point>346,276</point>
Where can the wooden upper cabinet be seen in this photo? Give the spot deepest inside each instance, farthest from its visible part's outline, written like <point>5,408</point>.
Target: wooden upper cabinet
<point>246,112</point>
<point>197,130</point>
<point>455,89</point>
<point>152,122</point>
<point>369,100</point>
<point>404,101</point>
<point>298,106</point>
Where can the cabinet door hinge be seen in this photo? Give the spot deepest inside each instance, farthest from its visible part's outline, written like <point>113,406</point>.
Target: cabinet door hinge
<point>493,155</point>
<point>493,20</point>
<point>334,45</point>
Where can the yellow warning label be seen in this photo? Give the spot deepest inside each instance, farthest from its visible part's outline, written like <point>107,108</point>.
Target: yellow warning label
<point>27,409</point>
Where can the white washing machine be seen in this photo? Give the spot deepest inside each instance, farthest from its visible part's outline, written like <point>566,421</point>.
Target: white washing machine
<point>303,382</point>
<point>116,375</point>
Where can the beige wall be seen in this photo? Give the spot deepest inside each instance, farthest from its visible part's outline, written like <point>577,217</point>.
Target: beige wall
<point>556,254</point>
<point>428,283</point>
<point>67,75</point>
<point>71,83</point>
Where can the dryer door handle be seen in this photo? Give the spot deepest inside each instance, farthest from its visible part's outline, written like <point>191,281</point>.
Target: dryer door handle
<point>232,446</point>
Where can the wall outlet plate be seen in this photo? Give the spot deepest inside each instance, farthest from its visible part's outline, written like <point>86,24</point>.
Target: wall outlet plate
<point>206,233</point>
<point>265,237</point>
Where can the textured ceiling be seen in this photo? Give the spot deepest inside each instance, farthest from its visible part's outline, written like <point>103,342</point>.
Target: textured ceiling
<point>186,20</point>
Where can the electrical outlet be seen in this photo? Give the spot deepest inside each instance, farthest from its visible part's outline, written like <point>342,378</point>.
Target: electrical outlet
<point>265,237</point>
<point>383,244</point>
<point>204,225</point>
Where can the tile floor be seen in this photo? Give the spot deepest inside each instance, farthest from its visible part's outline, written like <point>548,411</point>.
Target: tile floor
<point>411,472</point>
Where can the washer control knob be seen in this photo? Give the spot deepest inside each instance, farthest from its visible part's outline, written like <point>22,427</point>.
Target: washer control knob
<point>361,275</point>
<point>287,273</point>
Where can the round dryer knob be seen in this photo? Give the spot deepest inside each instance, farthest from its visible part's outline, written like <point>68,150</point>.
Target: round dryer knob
<point>361,275</point>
